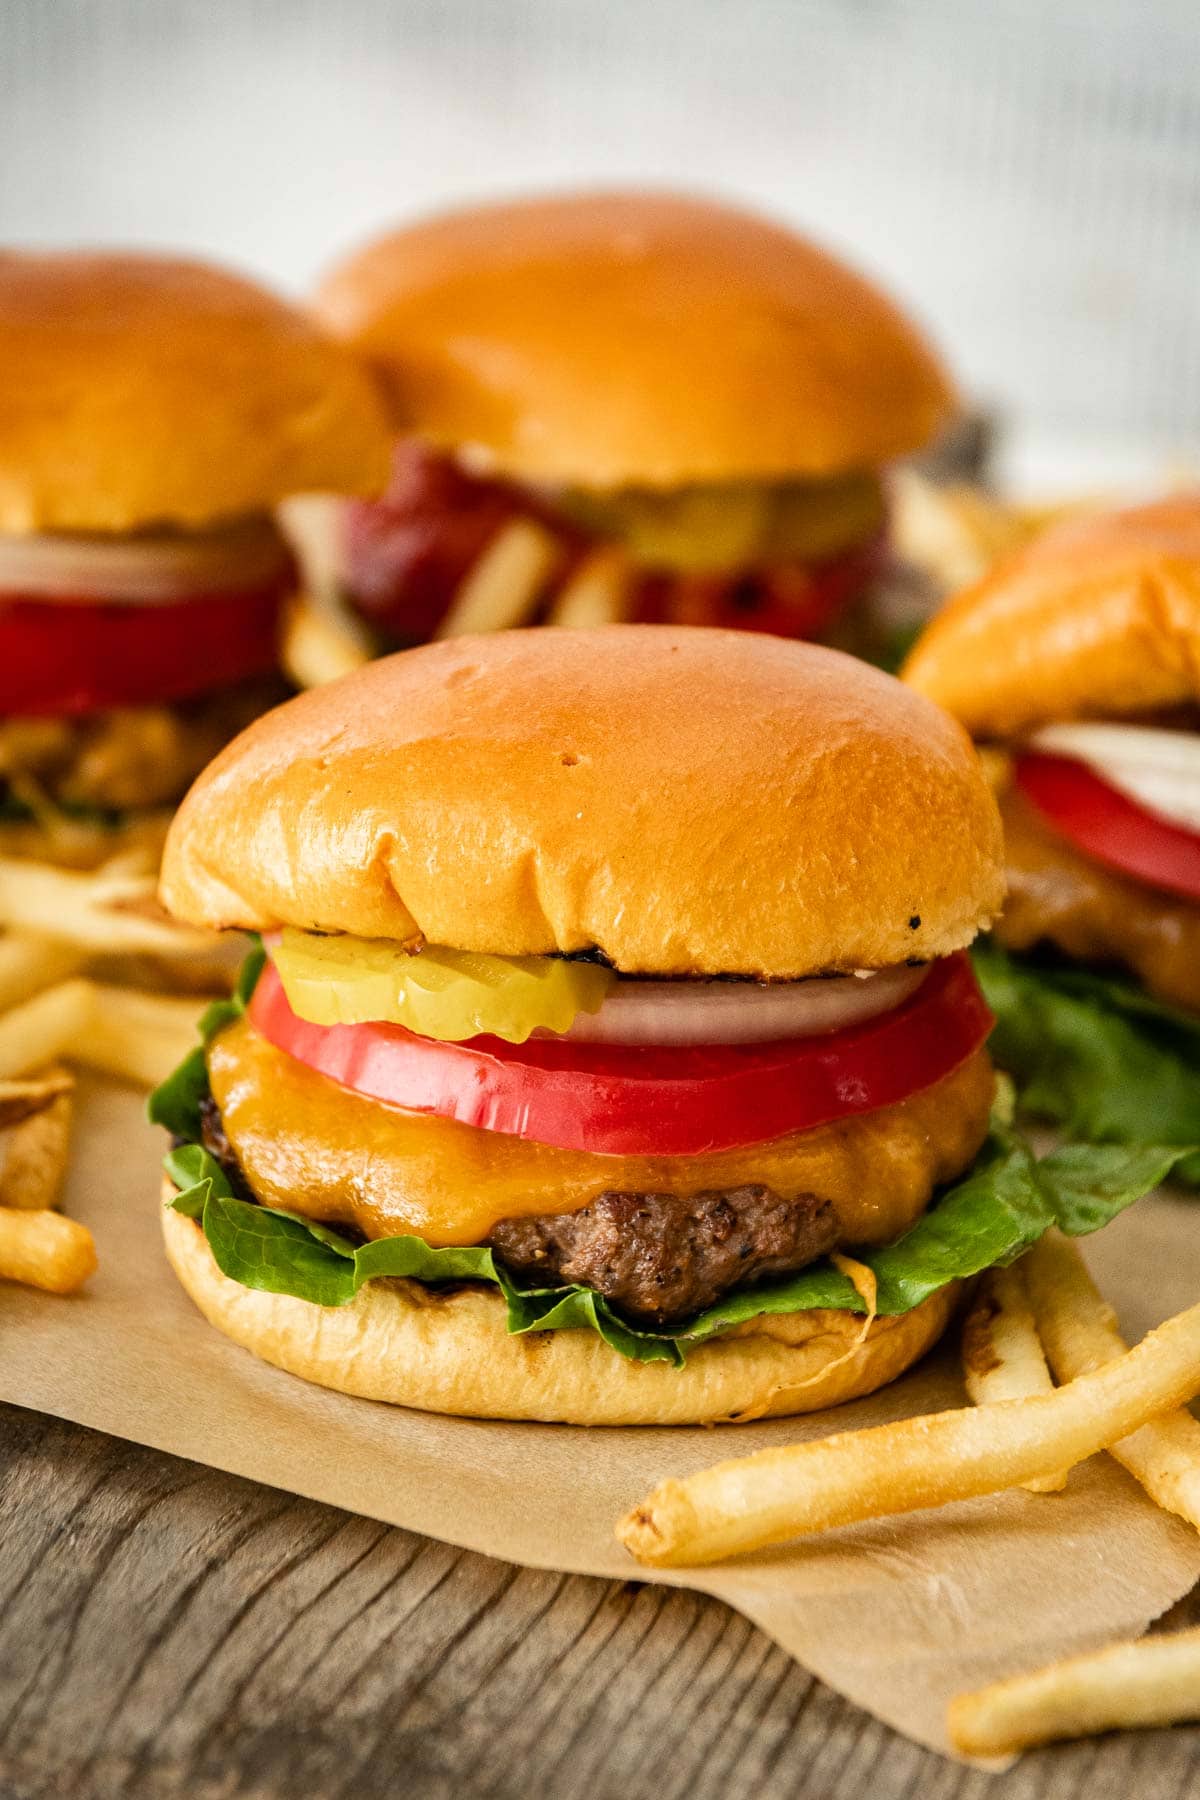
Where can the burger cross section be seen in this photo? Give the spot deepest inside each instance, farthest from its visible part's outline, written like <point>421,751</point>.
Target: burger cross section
<point>565,1218</point>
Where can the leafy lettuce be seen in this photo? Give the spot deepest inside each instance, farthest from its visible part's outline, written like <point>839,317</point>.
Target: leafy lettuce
<point>1009,1199</point>
<point>1095,1054</point>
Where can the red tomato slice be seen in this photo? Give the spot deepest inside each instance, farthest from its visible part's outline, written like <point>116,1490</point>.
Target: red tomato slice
<point>1108,826</point>
<point>623,1101</point>
<point>794,600</point>
<point>76,656</point>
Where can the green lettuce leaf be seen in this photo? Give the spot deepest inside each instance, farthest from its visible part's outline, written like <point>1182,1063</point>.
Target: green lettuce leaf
<point>1095,1054</point>
<point>176,1102</point>
<point>1002,1207</point>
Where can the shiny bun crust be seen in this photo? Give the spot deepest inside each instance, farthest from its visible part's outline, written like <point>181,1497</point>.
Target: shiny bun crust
<point>451,1353</point>
<point>1099,618</point>
<point>636,338</point>
<point>139,391</point>
<point>687,801</point>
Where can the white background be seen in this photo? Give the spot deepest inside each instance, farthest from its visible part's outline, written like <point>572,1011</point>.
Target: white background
<point>1025,173</point>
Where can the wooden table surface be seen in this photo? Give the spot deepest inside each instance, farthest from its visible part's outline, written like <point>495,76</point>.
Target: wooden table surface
<point>167,1631</point>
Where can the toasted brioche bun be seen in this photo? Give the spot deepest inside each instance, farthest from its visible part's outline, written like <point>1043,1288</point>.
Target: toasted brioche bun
<point>141,390</point>
<point>633,338</point>
<point>1098,618</point>
<point>687,801</point>
<point>451,1352</point>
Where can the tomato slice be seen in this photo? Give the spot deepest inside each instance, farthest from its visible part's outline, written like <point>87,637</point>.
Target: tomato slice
<point>795,600</point>
<point>74,656</point>
<point>1108,826</point>
<point>625,1101</point>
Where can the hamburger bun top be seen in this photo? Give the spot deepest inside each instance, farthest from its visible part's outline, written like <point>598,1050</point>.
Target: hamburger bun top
<point>1097,618</point>
<point>636,339</point>
<point>686,801</point>
<point>140,391</point>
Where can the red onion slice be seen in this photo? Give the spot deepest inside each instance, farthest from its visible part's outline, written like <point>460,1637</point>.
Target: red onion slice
<point>741,1012</point>
<point>141,570</point>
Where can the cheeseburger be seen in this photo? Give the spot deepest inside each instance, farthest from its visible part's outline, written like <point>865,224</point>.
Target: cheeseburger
<point>152,413</point>
<point>627,406</point>
<point>615,1056</point>
<point>1079,659</point>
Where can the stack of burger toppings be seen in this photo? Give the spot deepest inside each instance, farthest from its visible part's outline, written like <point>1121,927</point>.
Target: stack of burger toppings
<point>625,406</point>
<point>1080,658</point>
<point>153,413</point>
<point>613,1054</point>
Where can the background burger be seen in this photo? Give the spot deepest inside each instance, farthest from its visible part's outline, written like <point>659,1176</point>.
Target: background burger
<point>152,413</point>
<point>625,406</point>
<point>615,1057</point>
<point>1080,657</point>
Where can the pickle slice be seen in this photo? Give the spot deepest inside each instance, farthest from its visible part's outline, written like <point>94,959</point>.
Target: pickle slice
<point>724,527</point>
<point>440,993</point>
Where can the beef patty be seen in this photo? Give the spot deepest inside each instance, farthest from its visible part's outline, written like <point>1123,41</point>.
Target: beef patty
<point>662,1257</point>
<point>1094,914</point>
<point>129,758</point>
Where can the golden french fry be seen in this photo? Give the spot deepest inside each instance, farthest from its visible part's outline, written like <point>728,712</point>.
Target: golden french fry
<point>29,963</point>
<point>319,643</point>
<point>41,1030</point>
<point>785,1493</point>
<point>1153,1682</point>
<point>1079,1331</point>
<point>506,583</point>
<point>136,1036</point>
<point>29,1094</point>
<point>35,1163</point>
<point>99,912</point>
<point>45,1250</point>
<point>597,593</point>
<point>1002,1354</point>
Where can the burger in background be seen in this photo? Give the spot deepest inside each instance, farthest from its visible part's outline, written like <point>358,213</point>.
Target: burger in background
<point>1079,660</point>
<point>152,414</point>
<point>627,406</point>
<point>615,1057</point>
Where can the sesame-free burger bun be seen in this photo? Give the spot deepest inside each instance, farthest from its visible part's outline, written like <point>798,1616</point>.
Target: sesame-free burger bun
<point>1098,618</point>
<point>450,1352</point>
<point>140,391</point>
<point>686,801</point>
<point>646,339</point>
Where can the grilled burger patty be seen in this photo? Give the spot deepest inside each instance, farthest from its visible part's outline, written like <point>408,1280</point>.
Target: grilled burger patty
<point>662,1257</point>
<point>1057,895</point>
<point>128,758</point>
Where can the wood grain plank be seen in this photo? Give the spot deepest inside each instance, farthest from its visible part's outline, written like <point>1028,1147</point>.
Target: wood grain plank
<point>169,1633</point>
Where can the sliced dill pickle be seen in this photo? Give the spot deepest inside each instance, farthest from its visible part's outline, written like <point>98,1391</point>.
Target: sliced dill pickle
<point>440,993</point>
<point>724,527</point>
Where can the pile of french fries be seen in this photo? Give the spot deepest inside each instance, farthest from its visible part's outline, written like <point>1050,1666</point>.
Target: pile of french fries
<point>1039,1322</point>
<point>63,934</point>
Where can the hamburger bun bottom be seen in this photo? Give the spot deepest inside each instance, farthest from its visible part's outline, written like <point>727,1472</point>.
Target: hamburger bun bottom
<point>451,1353</point>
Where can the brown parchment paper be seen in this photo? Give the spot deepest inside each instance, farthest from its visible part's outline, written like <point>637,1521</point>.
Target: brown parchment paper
<point>896,1615</point>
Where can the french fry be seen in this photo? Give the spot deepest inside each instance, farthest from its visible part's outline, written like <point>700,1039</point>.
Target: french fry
<point>855,1475</point>
<point>35,1163</point>
<point>1002,1354</point>
<point>319,644</point>
<point>505,584</point>
<point>135,1036</point>
<point>1079,1331</point>
<point>29,963</point>
<point>45,1250</point>
<point>1153,1682</point>
<point>29,1094</point>
<point>100,912</point>
<point>597,593</point>
<point>43,1029</point>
